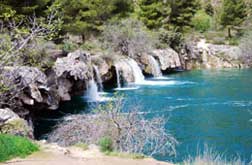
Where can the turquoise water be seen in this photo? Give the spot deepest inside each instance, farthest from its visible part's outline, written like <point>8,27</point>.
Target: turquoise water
<point>211,108</point>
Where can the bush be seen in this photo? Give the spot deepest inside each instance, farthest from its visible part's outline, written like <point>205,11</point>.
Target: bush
<point>106,144</point>
<point>130,132</point>
<point>201,21</point>
<point>128,37</point>
<point>171,39</point>
<point>210,157</point>
<point>14,146</point>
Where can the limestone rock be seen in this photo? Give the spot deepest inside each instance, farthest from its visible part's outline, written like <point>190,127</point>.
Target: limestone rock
<point>11,123</point>
<point>203,55</point>
<point>76,65</point>
<point>168,58</point>
<point>124,70</point>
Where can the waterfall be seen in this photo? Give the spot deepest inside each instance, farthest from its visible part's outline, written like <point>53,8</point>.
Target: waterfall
<point>92,91</point>
<point>155,67</point>
<point>137,72</point>
<point>98,78</point>
<point>118,77</point>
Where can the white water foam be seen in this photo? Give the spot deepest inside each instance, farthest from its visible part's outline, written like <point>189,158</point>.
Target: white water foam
<point>92,94</point>
<point>98,78</point>
<point>126,88</point>
<point>155,67</point>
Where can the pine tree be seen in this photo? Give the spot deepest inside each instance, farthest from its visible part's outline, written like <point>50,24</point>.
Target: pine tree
<point>84,17</point>
<point>182,12</point>
<point>155,13</point>
<point>19,9</point>
<point>233,13</point>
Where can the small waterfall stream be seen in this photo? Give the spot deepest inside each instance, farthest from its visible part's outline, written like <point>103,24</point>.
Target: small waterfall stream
<point>98,78</point>
<point>118,77</point>
<point>92,91</point>
<point>137,72</point>
<point>155,67</point>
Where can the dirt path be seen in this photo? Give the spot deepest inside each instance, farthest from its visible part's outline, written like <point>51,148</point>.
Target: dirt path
<point>55,155</point>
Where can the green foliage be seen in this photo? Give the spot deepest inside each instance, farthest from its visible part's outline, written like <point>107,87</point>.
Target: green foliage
<point>69,46</point>
<point>14,146</point>
<point>233,12</point>
<point>20,9</point>
<point>182,12</point>
<point>106,144</point>
<point>88,16</point>
<point>155,13</point>
<point>169,39</point>
<point>3,88</point>
<point>208,8</point>
<point>201,21</point>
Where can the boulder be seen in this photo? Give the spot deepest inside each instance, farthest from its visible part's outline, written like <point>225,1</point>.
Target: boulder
<point>124,70</point>
<point>77,65</point>
<point>151,65</point>
<point>145,61</point>
<point>203,55</point>
<point>167,58</point>
<point>104,67</point>
<point>27,82</point>
<point>11,123</point>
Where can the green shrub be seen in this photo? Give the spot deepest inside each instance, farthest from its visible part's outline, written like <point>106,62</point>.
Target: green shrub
<point>14,146</point>
<point>201,21</point>
<point>171,39</point>
<point>69,46</point>
<point>83,146</point>
<point>106,144</point>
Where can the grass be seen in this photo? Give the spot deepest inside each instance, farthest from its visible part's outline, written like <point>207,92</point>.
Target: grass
<point>83,146</point>
<point>15,146</point>
<point>125,155</point>
<point>210,157</point>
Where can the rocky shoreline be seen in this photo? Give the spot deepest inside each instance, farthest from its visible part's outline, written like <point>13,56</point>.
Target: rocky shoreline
<point>71,75</point>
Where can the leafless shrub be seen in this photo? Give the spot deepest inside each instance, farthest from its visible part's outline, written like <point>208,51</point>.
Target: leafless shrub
<point>130,132</point>
<point>129,37</point>
<point>20,46</point>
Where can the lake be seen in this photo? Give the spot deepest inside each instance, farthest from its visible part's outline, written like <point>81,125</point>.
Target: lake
<point>203,108</point>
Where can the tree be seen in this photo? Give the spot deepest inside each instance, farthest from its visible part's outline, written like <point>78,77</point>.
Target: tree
<point>233,14</point>
<point>155,13</point>
<point>20,9</point>
<point>84,17</point>
<point>208,7</point>
<point>182,11</point>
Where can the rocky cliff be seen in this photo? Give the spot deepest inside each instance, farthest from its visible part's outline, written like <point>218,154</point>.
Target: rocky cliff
<point>202,55</point>
<point>72,74</point>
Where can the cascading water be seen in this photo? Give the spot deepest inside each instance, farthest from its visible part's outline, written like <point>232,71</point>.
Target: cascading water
<point>92,91</point>
<point>155,67</point>
<point>118,77</point>
<point>98,78</point>
<point>137,72</point>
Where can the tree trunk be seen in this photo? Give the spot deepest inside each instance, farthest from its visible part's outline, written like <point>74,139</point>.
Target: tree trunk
<point>229,32</point>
